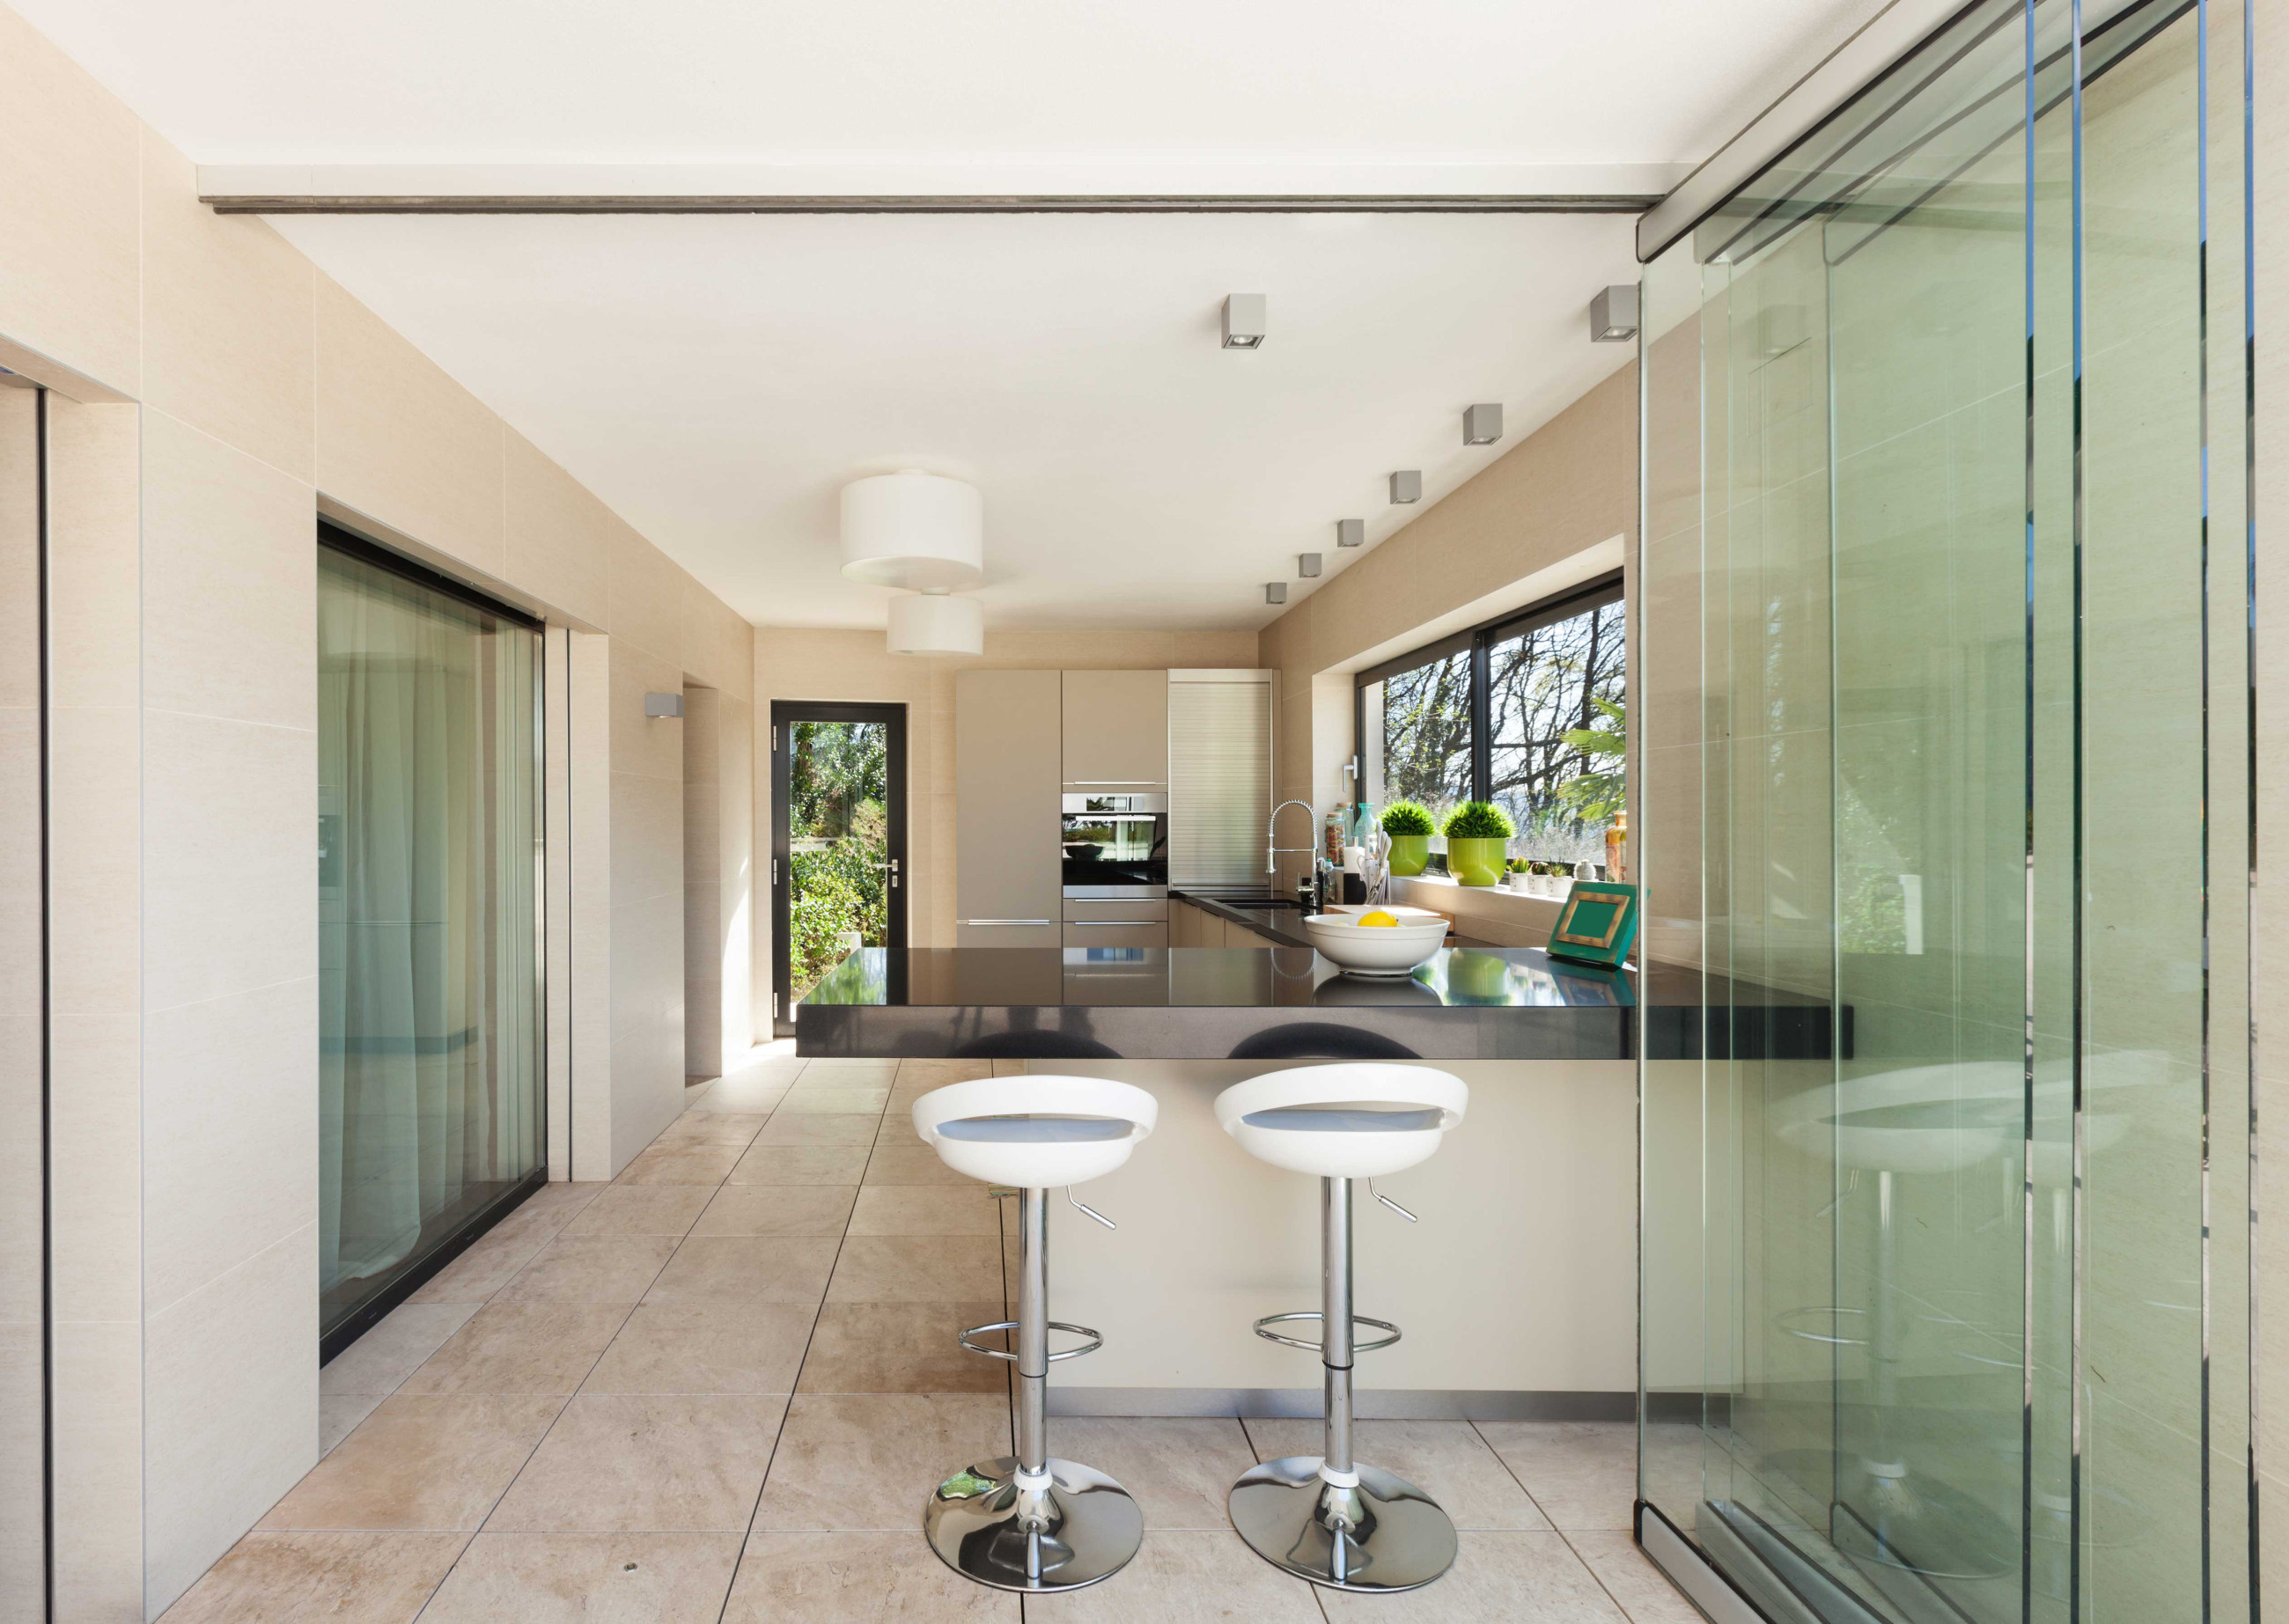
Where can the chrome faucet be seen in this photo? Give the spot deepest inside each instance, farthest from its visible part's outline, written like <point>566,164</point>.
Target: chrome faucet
<point>1270,833</point>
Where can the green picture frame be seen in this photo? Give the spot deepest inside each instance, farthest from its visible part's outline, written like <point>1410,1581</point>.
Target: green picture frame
<point>1597,924</point>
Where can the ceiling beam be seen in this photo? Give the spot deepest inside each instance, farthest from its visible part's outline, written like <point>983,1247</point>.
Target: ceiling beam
<point>935,188</point>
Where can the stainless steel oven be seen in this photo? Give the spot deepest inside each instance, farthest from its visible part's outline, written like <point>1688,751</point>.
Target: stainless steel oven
<point>1116,846</point>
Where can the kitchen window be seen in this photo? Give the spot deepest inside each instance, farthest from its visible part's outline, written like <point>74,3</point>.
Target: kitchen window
<point>1527,712</point>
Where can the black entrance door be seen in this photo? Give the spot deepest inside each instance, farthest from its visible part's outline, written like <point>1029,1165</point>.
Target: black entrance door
<point>838,840</point>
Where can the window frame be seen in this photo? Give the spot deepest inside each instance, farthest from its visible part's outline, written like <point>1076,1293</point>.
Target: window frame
<point>1479,641</point>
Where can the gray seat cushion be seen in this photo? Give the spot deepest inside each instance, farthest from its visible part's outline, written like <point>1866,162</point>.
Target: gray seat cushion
<point>1365,1119</point>
<point>1032,1129</point>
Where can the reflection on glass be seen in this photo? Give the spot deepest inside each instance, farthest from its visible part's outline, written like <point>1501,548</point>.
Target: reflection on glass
<point>429,1073</point>
<point>838,821</point>
<point>1942,714</point>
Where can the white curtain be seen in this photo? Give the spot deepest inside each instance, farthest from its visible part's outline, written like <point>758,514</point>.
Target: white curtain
<point>428,1099</point>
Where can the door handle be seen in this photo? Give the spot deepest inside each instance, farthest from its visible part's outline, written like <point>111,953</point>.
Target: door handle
<point>892,866</point>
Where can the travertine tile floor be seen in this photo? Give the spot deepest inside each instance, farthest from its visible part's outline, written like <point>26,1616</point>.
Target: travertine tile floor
<point>718,1388</point>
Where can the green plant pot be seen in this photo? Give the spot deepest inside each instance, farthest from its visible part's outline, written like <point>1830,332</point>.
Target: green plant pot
<point>1410,854</point>
<point>1475,862</point>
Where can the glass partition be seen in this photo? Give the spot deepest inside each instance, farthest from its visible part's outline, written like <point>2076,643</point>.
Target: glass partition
<point>1942,691</point>
<point>430,1088</point>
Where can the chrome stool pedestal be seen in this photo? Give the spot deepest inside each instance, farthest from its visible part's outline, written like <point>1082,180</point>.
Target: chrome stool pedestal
<point>1327,1517</point>
<point>1031,1522</point>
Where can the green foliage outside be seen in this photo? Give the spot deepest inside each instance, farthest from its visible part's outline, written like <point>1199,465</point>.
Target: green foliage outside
<point>839,821</point>
<point>1478,820</point>
<point>1596,796</point>
<point>1402,817</point>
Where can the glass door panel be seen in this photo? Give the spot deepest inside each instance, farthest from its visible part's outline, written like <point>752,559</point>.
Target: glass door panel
<point>838,815</point>
<point>430,1088</point>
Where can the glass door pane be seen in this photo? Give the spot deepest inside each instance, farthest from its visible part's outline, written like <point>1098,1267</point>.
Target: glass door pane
<point>430,1093</point>
<point>839,834</point>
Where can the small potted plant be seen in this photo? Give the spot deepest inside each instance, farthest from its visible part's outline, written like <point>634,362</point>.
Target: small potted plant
<point>1517,877</point>
<point>1476,832</point>
<point>1408,826</point>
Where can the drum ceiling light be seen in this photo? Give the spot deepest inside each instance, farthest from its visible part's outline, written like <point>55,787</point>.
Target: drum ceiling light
<point>913,530</point>
<point>933,622</point>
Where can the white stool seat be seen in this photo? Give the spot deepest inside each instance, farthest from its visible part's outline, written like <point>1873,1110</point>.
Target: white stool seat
<point>1361,1120</point>
<point>1035,1133</point>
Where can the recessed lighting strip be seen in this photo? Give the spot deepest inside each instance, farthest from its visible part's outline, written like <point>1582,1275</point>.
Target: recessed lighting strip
<point>1107,204</point>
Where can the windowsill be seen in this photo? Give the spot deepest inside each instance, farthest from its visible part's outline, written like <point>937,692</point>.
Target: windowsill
<point>1495,914</point>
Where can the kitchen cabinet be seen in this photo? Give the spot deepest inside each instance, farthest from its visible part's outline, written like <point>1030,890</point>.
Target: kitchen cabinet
<point>1137,923</point>
<point>1008,890</point>
<point>1115,729</point>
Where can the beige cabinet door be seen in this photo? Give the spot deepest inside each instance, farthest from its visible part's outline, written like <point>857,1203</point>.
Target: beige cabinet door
<point>1007,874</point>
<point>1116,730</point>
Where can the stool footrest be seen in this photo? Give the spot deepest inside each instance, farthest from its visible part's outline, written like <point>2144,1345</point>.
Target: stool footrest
<point>1096,1340</point>
<point>1293,1342</point>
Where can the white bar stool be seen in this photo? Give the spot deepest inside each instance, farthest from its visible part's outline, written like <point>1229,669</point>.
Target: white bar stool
<point>1325,1517</point>
<point>1032,1522</point>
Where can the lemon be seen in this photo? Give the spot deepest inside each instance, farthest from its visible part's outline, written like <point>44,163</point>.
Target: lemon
<point>1376,918</point>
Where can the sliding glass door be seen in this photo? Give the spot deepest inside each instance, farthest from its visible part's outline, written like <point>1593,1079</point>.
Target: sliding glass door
<point>430,1081</point>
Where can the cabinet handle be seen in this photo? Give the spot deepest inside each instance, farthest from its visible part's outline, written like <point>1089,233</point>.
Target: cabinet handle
<point>1009,921</point>
<point>1140,924</point>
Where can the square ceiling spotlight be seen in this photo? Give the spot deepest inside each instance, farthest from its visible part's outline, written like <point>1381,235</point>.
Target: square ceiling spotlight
<point>1275,592</point>
<point>1613,314</point>
<point>1351,532</point>
<point>1243,320</point>
<point>1406,486</point>
<point>1482,424</point>
<point>1307,564</point>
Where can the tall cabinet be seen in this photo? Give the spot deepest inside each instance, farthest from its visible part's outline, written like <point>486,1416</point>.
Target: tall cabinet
<point>1008,726</point>
<point>1116,730</point>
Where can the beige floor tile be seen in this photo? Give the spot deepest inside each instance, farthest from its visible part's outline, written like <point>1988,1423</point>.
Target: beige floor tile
<point>737,1128</point>
<point>588,1579</point>
<point>938,1073</point>
<point>347,1578</point>
<point>1496,1579</point>
<point>592,1269</point>
<point>833,1102</point>
<point>911,1163</point>
<point>704,1347</point>
<point>612,1463</point>
<point>901,1348</point>
<point>800,1164</point>
<point>745,1092</point>
<point>522,1346</point>
<point>1179,1468</point>
<point>916,1269</point>
<point>869,1462</point>
<point>1580,1473</point>
<point>494,1258</point>
<point>394,1349</point>
<point>857,1579</point>
<point>420,1463</point>
<point>733,1269</point>
<point>835,1073</point>
<point>831,1128</point>
<point>925,1209</point>
<point>340,1414</point>
<point>1448,1460</point>
<point>699,1163</point>
<point>1188,1579</point>
<point>777,1209</point>
<point>641,1209</point>
<point>1630,1577</point>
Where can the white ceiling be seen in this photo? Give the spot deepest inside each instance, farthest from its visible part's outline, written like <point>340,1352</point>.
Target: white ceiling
<point>717,378</point>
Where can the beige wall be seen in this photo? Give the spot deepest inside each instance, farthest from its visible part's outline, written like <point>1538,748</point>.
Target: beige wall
<point>718,847</point>
<point>795,664</point>
<point>250,389</point>
<point>1563,489</point>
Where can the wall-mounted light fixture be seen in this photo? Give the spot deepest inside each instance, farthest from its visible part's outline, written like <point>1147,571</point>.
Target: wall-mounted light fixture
<point>1275,592</point>
<point>663,704</point>
<point>1351,532</point>
<point>1406,486</point>
<point>1482,424</point>
<point>1613,314</point>
<point>1307,564</point>
<point>1243,320</point>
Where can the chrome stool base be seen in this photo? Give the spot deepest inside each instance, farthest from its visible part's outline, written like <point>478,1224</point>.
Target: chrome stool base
<point>1384,1535</point>
<point>1079,1528</point>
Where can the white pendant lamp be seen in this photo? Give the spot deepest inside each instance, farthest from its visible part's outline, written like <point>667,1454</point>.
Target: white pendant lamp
<point>932,622</point>
<point>913,530</point>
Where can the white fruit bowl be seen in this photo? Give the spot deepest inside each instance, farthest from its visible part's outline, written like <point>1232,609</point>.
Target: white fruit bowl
<point>1376,950</point>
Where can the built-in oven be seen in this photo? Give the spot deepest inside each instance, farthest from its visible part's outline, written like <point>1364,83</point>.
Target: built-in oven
<point>1116,846</point>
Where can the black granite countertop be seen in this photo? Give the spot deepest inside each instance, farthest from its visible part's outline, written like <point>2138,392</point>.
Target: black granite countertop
<point>1270,913</point>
